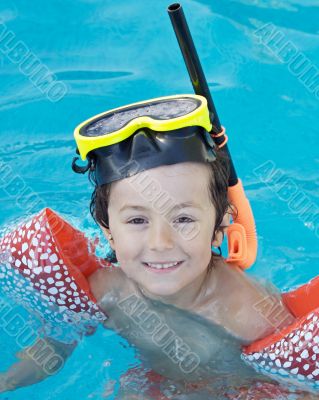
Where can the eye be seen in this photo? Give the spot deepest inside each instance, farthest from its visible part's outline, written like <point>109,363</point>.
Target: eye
<point>137,221</point>
<point>183,220</point>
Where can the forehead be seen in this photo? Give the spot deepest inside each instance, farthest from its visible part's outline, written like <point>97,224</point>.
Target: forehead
<point>183,182</point>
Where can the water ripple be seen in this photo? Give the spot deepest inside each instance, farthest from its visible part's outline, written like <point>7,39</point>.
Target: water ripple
<point>87,75</point>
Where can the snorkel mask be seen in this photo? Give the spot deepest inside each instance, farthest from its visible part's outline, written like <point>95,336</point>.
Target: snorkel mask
<point>124,141</point>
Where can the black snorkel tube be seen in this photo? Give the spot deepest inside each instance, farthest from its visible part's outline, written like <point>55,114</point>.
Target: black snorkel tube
<point>242,237</point>
<point>196,74</point>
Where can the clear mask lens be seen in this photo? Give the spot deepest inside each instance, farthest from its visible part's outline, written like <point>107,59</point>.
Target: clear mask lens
<point>159,110</point>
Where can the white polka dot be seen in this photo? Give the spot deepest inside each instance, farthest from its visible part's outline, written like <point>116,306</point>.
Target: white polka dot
<point>53,258</point>
<point>294,371</point>
<point>311,327</point>
<point>304,354</point>
<point>37,270</point>
<point>24,247</point>
<point>53,290</point>
<point>308,335</point>
<point>295,339</point>
<point>287,364</point>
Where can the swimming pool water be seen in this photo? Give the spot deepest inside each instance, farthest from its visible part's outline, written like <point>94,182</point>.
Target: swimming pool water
<point>105,54</point>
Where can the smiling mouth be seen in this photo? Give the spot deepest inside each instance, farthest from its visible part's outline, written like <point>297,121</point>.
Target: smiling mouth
<point>163,266</point>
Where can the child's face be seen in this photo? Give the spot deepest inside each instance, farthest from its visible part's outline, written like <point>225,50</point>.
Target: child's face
<point>151,227</point>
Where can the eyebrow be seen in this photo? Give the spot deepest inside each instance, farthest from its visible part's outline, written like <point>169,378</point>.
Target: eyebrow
<point>186,204</point>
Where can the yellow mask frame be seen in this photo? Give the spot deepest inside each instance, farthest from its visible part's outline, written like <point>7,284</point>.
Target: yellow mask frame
<point>94,132</point>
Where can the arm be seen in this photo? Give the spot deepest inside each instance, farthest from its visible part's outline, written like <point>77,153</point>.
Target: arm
<point>44,358</point>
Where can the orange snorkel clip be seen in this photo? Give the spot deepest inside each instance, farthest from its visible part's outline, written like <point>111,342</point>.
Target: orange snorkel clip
<point>241,235</point>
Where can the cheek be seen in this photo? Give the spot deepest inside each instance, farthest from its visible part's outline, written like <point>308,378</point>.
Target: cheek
<point>200,246</point>
<point>126,249</point>
<point>206,232</point>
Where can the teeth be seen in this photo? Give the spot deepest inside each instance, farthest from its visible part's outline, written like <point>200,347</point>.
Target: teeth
<point>161,266</point>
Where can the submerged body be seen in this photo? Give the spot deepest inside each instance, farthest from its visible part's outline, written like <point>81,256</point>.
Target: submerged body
<point>201,343</point>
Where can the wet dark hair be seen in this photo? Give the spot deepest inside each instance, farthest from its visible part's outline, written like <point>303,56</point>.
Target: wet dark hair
<point>218,186</point>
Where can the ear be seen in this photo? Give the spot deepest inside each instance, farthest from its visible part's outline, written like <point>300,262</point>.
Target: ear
<point>108,235</point>
<point>221,231</point>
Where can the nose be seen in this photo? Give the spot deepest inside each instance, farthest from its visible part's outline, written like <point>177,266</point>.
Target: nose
<point>161,236</point>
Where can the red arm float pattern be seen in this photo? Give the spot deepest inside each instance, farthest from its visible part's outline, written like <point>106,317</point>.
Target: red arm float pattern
<point>54,259</point>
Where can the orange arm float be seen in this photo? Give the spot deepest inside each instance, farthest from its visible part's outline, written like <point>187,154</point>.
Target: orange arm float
<point>241,235</point>
<point>304,299</point>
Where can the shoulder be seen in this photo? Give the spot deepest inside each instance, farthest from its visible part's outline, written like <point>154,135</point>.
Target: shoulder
<point>106,280</point>
<point>251,310</point>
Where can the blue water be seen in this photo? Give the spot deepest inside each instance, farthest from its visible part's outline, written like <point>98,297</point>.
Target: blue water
<point>111,53</point>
